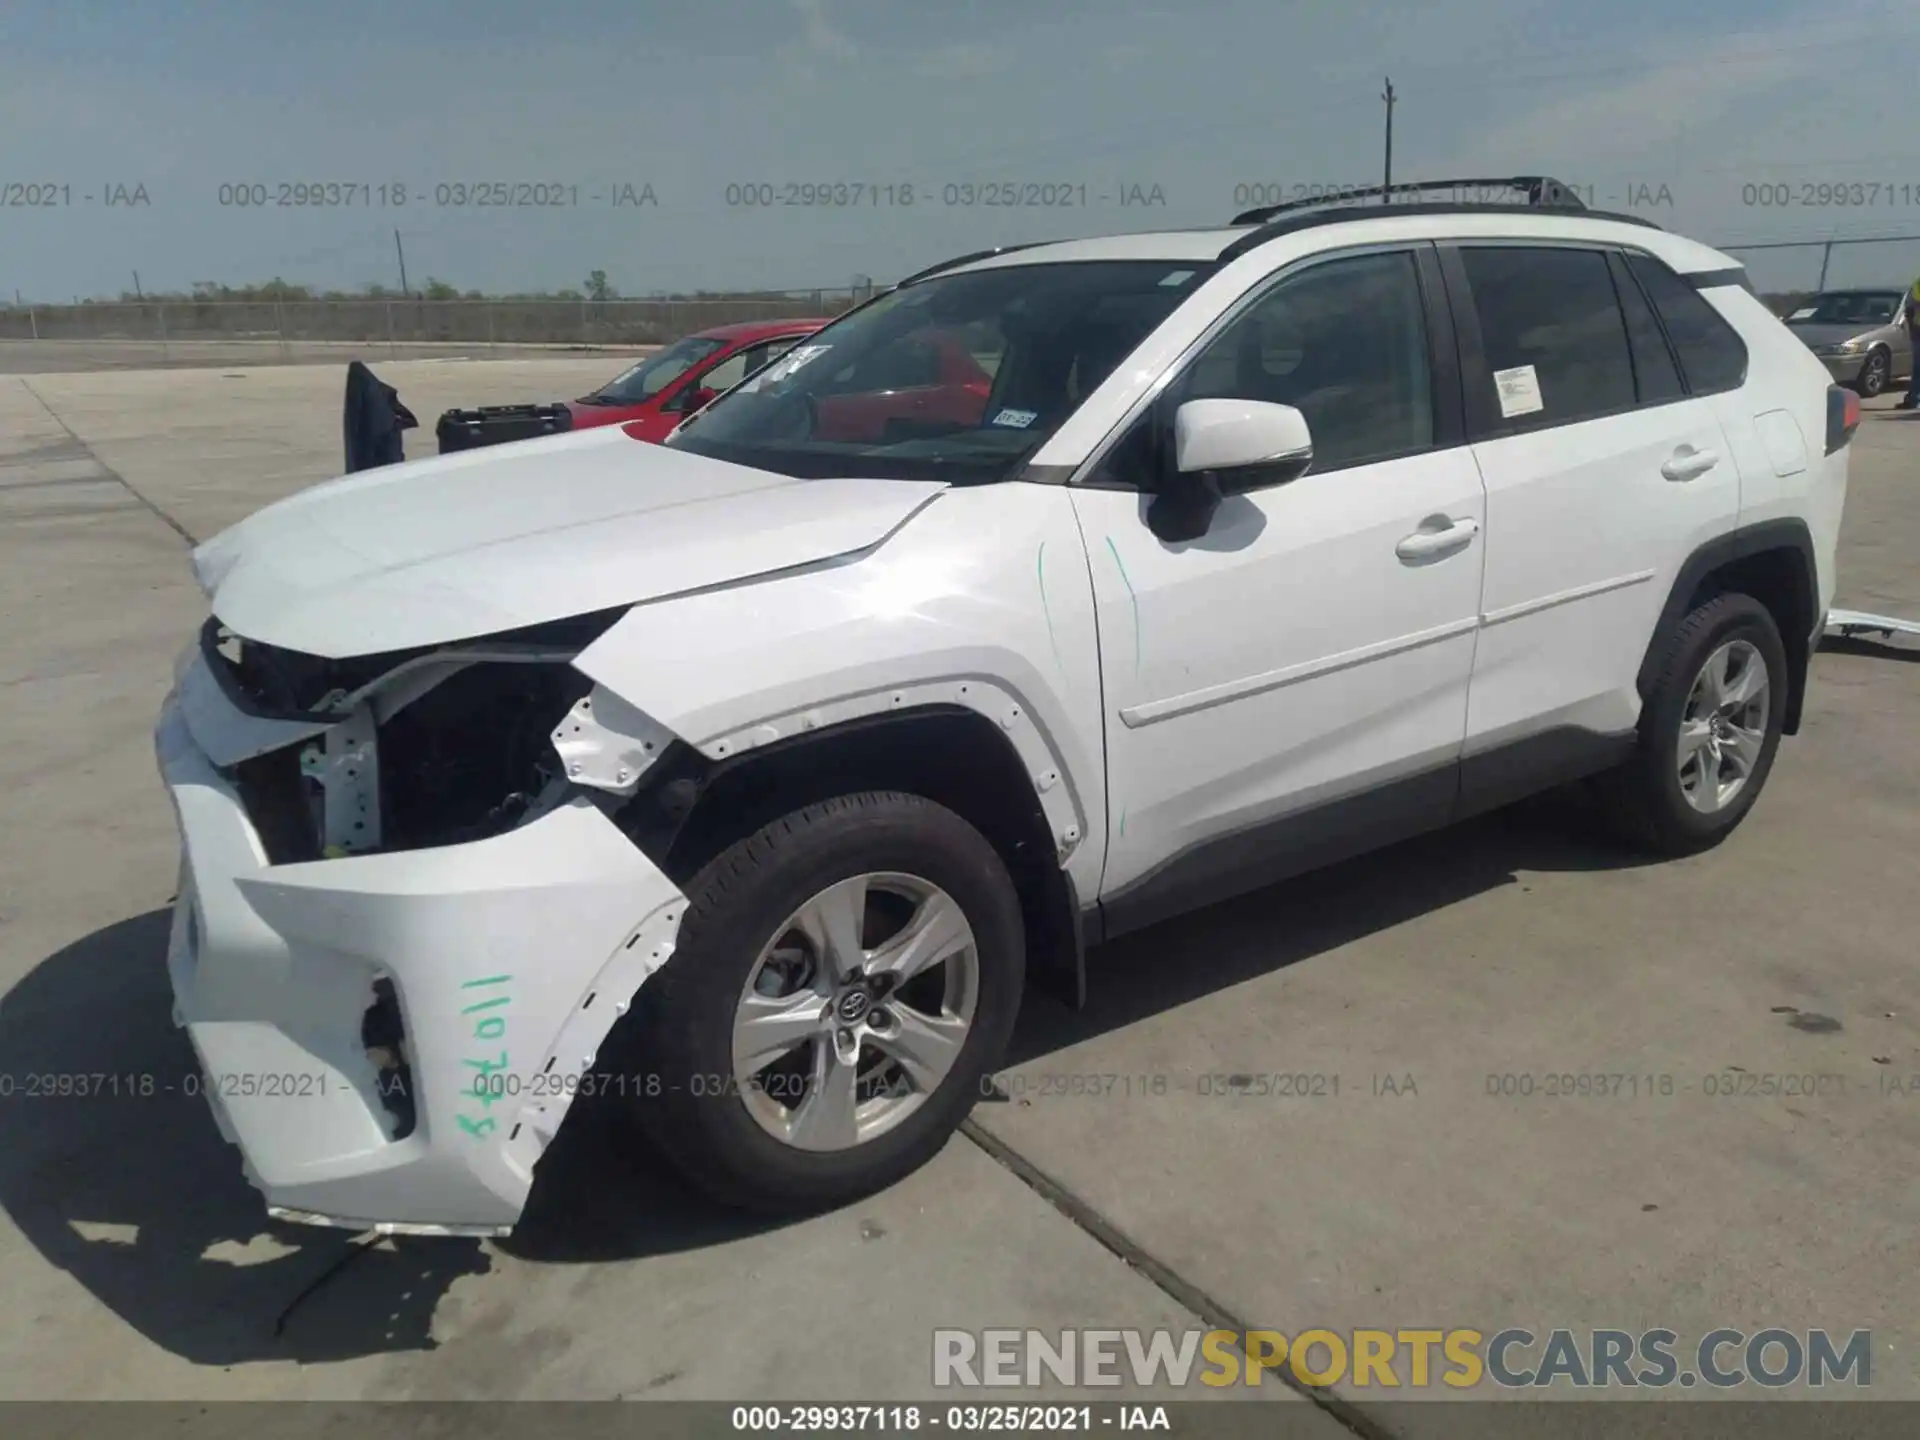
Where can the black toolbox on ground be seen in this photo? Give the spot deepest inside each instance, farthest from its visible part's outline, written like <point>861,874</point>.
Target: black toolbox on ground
<point>497,424</point>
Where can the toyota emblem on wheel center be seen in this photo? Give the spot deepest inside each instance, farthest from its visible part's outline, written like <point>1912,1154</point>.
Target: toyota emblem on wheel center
<point>853,1005</point>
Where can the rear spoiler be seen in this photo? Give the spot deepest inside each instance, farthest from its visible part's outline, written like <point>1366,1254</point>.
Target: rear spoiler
<point>1712,279</point>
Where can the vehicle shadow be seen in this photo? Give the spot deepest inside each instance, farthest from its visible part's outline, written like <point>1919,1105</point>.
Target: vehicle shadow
<point>1268,930</point>
<point>1868,649</point>
<point>124,1183</point>
<point>138,1199</point>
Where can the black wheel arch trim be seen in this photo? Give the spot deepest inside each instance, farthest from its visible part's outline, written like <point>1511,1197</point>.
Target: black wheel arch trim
<point>657,814</point>
<point>1789,535</point>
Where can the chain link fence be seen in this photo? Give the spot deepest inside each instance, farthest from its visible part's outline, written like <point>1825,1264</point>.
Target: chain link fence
<point>410,322</point>
<point>1887,260</point>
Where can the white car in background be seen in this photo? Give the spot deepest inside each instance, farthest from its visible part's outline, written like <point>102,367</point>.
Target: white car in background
<point>747,782</point>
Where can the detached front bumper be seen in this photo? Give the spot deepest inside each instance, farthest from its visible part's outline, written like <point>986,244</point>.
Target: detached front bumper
<point>509,958</point>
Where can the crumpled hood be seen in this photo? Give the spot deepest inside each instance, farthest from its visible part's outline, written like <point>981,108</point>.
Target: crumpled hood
<point>481,541</point>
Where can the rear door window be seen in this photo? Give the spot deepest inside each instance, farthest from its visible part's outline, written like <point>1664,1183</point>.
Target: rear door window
<point>1553,333</point>
<point>1655,375</point>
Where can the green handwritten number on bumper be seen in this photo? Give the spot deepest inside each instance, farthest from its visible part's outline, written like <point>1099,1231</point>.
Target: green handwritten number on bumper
<point>485,1089</point>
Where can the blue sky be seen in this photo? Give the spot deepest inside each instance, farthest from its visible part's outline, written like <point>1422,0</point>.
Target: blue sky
<point>1690,108</point>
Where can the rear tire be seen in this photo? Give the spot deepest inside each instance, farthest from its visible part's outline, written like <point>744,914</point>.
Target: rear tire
<point>760,937</point>
<point>1708,731</point>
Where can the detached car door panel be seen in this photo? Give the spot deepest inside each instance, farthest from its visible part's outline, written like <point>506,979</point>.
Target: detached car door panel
<point>1293,684</point>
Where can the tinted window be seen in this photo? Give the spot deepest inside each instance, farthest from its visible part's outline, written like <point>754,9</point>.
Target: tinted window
<point>1655,376</point>
<point>909,363</point>
<point>1712,355</point>
<point>742,363</point>
<point>1553,332</point>
<point>1345,343</point>
<point>959,377</point>
<point>1850,307</point>
<point>654,374</point>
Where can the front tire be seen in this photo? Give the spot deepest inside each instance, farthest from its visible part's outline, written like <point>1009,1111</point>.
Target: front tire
<point>843,981</point>
<point>1708,731</point>
<point>1874,374</point>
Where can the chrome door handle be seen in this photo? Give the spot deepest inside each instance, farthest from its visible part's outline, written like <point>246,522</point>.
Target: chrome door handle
<point>1688,463</point>
<point>1437,535</point>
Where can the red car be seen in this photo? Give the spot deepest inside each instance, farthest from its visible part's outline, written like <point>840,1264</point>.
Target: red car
<point>924,383</point>
<point>669,385</point>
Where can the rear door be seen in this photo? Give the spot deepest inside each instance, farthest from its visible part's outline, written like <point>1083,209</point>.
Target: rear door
<point>1602,475</point>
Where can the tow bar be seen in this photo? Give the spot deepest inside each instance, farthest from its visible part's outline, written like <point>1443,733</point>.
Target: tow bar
<point>1849,623</point>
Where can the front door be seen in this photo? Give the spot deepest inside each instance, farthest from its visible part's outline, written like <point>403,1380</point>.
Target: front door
<point>1292,686</point>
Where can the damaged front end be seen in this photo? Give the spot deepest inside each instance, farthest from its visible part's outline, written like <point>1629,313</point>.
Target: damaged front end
<point>403,892</point>
<point>426,747</point>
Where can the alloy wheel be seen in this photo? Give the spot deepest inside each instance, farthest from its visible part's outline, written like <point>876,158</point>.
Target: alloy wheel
<point>1723,728</point>
<point>855,1011</point>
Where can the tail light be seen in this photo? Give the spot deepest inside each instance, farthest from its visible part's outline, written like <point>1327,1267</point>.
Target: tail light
<point>1843,416</point>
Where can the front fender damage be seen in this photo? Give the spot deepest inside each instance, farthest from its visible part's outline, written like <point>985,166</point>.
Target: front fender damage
<point>500,944</point>
<point>607,744</point>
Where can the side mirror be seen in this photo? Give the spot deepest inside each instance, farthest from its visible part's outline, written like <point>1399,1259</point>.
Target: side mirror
<point>1221,448</point>
<point>1244,444</point>
<point>697,399</point>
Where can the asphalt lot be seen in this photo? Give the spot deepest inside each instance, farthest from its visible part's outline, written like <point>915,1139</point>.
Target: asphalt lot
<point>136,1263</point>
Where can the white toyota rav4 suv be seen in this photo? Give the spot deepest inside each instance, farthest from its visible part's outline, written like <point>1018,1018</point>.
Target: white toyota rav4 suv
<point>745,782</point>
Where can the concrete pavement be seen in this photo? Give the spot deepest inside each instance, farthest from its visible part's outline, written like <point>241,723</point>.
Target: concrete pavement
<point>1404,993</point>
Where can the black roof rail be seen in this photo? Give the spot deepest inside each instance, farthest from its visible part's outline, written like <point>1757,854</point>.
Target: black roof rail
<point>1286,224</point>
<point>1541,190</point>
<point>967,259</point>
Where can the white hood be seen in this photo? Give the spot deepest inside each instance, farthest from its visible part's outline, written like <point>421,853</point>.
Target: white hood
<point>507,536</point>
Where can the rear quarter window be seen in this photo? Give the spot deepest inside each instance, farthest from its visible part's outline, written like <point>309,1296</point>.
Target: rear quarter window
<point>1713,357</point>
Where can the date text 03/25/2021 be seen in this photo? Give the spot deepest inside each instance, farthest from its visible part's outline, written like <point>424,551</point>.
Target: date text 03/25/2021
<point>893,1419</point>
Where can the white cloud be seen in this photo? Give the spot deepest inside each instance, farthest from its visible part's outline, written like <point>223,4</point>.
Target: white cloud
<point>1691,110</point>
<point>819,40</point>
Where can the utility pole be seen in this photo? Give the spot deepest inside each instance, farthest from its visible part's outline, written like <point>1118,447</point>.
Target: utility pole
<point>1388,180</point>
<point>398,250</point>
<point>136,286</point>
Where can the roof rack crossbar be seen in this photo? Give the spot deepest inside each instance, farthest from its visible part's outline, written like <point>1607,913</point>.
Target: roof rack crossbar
<point>1541,190</point>
<point>1289,224</point>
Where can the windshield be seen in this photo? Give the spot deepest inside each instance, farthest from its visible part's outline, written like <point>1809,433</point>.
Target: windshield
<point>1848,307</point>
<point>655,373</point>
<point>959,377</point>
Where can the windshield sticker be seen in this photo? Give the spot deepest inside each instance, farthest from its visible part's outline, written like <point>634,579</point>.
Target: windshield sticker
<point>1015,419</point>
<point>1519,391</point>
<point>1177,277</point>
<point>1801,314</point>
